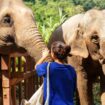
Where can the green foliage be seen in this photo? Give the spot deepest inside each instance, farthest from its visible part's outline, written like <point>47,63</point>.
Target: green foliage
<point>88,4</point>
<point>48,27</point>
<point>51,13</point>
<point>33,1</point>
<point>96,94</point>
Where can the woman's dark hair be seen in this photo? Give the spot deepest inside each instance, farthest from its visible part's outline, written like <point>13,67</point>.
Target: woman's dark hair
<point>60,50</point>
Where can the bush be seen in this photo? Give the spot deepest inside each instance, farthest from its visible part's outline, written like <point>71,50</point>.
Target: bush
<point>51,14</point>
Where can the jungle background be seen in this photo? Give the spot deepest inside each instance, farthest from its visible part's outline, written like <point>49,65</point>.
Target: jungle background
<point>51,13</point>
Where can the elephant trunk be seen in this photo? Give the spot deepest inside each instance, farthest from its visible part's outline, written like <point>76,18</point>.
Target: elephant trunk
<point>103,68</point>
<point>29,38</point>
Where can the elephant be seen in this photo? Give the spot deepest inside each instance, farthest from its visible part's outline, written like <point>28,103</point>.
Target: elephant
<point>18,30</point>
<point>85,34</point>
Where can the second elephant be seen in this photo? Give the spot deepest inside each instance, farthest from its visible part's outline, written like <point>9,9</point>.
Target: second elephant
<point>85,33</point>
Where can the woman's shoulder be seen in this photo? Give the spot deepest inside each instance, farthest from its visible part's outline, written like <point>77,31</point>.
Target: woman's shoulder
<point>72,70</point>
<point>44,64</point>
<point>70,66</point>
<point>63,65</point>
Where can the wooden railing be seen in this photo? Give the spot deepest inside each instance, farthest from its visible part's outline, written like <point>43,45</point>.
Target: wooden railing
<point>17,78</point>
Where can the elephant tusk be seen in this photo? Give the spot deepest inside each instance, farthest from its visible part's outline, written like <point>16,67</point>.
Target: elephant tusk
<point>101,61</point>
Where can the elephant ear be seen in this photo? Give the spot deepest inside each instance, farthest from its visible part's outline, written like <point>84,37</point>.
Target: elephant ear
<point>78,44</point>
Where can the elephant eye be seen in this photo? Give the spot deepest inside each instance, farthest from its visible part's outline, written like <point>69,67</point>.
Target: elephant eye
<point>7,20</point>
<point>95,39</point>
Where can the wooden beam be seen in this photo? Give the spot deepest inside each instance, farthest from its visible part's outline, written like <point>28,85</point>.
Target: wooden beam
<point>5,62</point>
<point>18,54</point>
<point>15,81</point>
<point>5,66</point>
<point>13,95</point>
<point>18,77</point>
<point>6,88</point>
<point>20,92</point>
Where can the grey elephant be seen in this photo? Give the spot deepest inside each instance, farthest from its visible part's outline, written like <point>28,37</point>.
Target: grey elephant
<point>18,30</point>
<point>85,33</point>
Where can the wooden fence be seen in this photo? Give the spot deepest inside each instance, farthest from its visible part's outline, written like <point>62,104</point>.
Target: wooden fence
<point>17,78</point>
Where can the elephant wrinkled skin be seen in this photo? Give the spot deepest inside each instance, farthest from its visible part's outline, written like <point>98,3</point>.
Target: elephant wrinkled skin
<point>85,33</point>
<point>18,30</point>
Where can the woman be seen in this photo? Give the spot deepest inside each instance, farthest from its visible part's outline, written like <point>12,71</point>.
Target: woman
<point>62,76</point>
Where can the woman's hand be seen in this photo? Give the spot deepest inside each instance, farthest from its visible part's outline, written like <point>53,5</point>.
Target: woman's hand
<point>45,53</point>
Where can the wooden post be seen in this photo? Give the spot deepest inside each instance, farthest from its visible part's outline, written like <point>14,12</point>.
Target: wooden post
<point>5,66</point>
<point>20,92</point>
<point>13,95</point>
<point>26,89</point>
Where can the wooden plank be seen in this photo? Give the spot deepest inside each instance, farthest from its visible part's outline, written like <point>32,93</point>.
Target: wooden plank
<point>6,88</point>
<point>5,62</point>
<point>36,82</point>
<point>15,81</point>
<point>13,95</point>
<point>24,75</point>
<point>26,89</point>
<point>20,92</point>
<point>6,96</point>
<point>18,54</point>
<point>19,64</point>
<point>13,64</point>
<point>30,87</point>
<point>5,66</point>
<point>29,74</point>
<point>19,77</point>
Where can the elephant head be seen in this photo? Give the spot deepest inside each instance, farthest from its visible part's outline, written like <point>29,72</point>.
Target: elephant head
<point>18,29</point>
<point>88,35</point>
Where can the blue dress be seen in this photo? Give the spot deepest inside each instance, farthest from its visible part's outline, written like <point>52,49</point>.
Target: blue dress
<point>62,82</point>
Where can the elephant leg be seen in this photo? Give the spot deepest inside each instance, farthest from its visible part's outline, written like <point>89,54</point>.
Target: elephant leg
<point>84,87</point>
<point>77,98</point>
<point>102,83</point>
<point>90,92</point>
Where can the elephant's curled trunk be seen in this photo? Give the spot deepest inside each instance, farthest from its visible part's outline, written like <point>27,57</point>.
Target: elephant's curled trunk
<point>31,40</point>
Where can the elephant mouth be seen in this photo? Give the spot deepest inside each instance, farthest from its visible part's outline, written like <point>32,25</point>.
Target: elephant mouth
<point>8,45</point>
<point>7,40</point>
